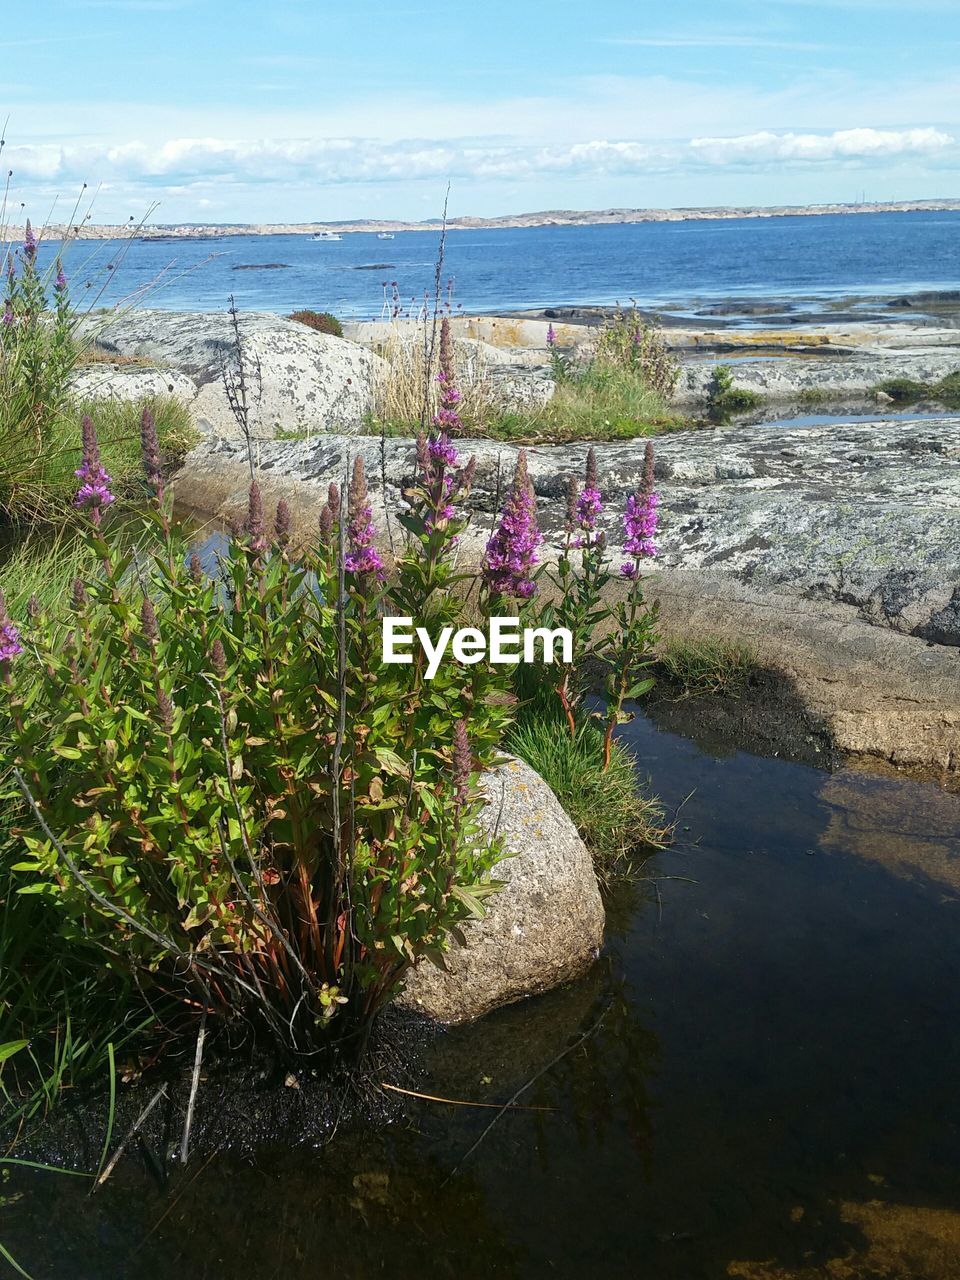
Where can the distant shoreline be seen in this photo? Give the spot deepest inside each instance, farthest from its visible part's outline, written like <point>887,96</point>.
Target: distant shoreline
<point>548,218</point>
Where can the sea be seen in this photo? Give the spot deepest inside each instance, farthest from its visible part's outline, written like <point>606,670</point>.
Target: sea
<point>819,262</point>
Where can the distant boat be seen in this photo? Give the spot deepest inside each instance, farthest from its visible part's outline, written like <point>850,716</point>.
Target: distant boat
<point>385,235</point>
<point>328,235</point>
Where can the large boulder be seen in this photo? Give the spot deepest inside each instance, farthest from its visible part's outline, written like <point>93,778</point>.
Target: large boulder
<point>544,927</point>
<point>298,380</point>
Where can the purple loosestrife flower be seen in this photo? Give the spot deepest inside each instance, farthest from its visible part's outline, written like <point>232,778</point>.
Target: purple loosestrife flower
<point>255,524</point>
<point>60,283</point>
<point>150,452</point>
<point>29,243</point>
<point>551,336</point>
<point>10,646</point>
<point>589,503</point>
<point>94,491</point>
<point>8,316</point>
<point>462,764</point>
<point>512,551</point>
<point>440,450</point>
<point>640,520</point>
<point>447,416</point>
<point>362,556</point>
<point>282,523</point>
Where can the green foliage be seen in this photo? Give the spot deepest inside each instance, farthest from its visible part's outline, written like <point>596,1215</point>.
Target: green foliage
<point>608,808</point>
<point>38,417</point>
<point>617,637</point>
<point>907,391</point>
<point>724,398</point>
<point>322,321</point>
<point>228,801</point>
<point>621,391</point>
<point>708,664</point>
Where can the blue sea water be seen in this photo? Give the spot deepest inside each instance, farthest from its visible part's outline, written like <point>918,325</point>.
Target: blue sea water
<point>679,266</point>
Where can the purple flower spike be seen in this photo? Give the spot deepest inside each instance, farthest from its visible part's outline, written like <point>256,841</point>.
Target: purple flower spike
<point>150,452</point>
<point>551,336</point>
<point>10,646</point>
<point>447,416</point>
<point>255,523</point>
<point>589,506</point>
<point>8,317</point>
<point>512,551</point>
<point>60,284</point>
<point>94,491</point>
<point>29,243</point>
<point>362,556</point>
<point>640,520</point>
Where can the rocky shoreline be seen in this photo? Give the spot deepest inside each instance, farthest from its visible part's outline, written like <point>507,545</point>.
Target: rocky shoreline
<point>543,218</point>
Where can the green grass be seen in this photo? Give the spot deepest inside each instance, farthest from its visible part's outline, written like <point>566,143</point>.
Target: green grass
<point>36,482</point>
<point>609,809</point>
<point>709,664</point>
<point>598,404</point>
<point>43,566</point>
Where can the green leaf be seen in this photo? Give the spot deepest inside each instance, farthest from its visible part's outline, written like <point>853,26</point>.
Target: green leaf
<point>11,1047</point>
<point>391,763</point>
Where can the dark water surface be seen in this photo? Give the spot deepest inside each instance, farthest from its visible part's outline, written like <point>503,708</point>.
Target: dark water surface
<point>772,1090</point>
<point>681,265</point>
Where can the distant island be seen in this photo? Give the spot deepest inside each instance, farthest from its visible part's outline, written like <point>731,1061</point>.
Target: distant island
<point>546,218</point>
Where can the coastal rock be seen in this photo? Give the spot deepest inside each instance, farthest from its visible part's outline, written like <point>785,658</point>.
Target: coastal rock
<point>544,927</point>
<point>298,380</point>
<point>130,382</point>
<point>785,379</point>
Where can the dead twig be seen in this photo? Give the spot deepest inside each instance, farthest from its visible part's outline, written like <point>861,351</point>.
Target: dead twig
<point>131,1134</point>
<point>459,1102</point>
<point>194,1086</point>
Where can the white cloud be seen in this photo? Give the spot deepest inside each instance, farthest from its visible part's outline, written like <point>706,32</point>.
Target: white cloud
<point>340,160</point>
<point>842,145</point>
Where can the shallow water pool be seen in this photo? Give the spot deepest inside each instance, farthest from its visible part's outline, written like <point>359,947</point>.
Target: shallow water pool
<point>771,1090</point>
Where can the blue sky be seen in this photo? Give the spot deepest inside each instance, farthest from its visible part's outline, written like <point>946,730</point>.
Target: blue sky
<point>287,110</point>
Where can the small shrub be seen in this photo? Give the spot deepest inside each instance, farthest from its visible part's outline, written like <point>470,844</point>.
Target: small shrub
<point>724,398</point>
<point>710,664</point>
<point>907,391</point>
<point>228,795</point>
<point>630,343</point>
<point>904,389</point>
<point>322,321</point>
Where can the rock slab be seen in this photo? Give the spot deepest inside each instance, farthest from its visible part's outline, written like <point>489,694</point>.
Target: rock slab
<point>298,381</point>
<point>544,927</point>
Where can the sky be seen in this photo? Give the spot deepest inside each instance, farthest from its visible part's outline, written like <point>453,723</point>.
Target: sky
<point>307,110</point>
